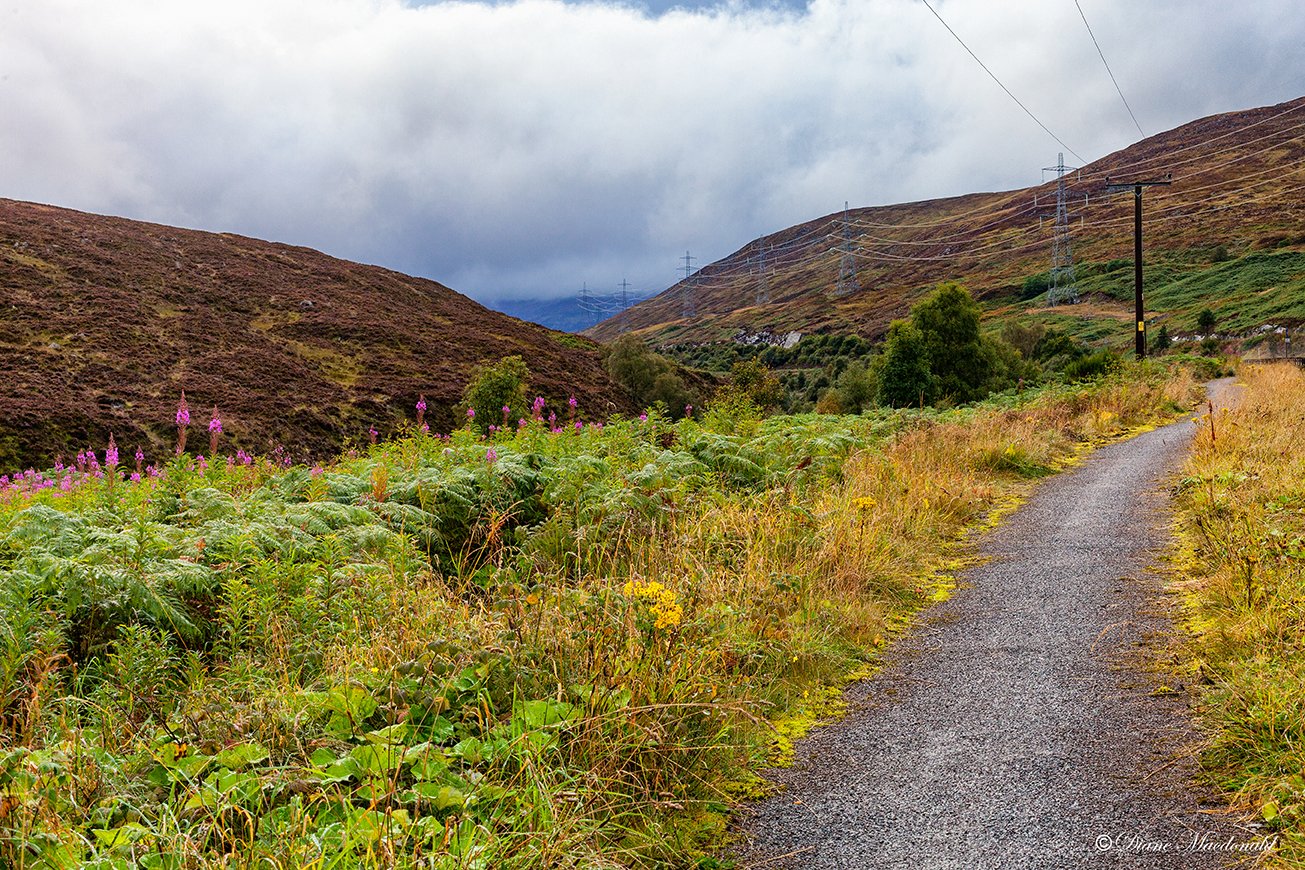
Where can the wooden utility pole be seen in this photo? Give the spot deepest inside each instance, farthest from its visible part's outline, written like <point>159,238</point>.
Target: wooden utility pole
<point>1137,250</point>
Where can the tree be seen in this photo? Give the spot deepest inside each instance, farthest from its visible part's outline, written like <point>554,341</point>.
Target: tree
<point>634,366</point>
<point>1023,338</point>
<point>495,387</point>
<point>648,376</point>
<point>948,321</point>
<point>856,387</point>
<point>759,384</point>
<point>905,376</point>
<point>1205,321</point>
<point>1162,339</point>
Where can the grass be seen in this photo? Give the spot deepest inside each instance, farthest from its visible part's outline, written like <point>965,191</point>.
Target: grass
<point>1259,287</point>
<point>1242,521</point>
<point>567,653</point>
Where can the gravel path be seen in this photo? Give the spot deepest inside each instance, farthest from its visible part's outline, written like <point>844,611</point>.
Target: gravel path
<point>1015,727</point>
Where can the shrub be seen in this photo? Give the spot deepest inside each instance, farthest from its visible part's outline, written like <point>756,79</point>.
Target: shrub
<point>1091,366</point>
<point>494,387</point>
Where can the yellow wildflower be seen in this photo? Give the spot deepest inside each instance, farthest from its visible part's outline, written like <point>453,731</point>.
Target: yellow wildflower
<point>662,602</point>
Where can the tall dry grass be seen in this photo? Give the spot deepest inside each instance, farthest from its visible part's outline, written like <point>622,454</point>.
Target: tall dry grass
<point>1242,521</point>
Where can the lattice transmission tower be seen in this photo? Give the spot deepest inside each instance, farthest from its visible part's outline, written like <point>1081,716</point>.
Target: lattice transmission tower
<point>847,282</point>
<point>762,271</point>
<point>689,305</point>
<point>1062,289</point>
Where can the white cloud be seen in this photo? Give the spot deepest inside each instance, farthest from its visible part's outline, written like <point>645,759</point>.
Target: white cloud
<point>526,147</point>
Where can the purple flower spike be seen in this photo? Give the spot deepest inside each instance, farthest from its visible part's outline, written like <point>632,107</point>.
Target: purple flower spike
<point>214,432</point>
<point>643,418</point>
<point>491,456</point>
<point>471,413</point>
<point>111,454</point>
<point>183,424</point>
<point>522,423</point>
<point>688,410</point>
<point>579,425</point>
<point>421,404</point>
<point>572,402</point>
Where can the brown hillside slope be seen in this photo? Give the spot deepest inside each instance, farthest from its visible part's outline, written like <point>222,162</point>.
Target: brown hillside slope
<point>1237,181</point>
<point>104,321</point>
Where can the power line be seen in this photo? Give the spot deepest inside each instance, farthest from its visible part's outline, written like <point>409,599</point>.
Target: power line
<point>1108,70</point>
<point>804,251</point>
<point>1003,87</point>
<point>1168,154</point>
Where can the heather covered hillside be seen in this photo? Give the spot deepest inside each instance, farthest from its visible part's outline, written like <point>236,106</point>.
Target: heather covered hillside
<point>104,321</point>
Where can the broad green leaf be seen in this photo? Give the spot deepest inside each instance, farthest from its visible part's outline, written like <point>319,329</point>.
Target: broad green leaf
<point>241,755</point>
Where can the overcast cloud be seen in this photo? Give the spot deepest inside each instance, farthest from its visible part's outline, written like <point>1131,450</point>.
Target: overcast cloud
<point>521,148</point>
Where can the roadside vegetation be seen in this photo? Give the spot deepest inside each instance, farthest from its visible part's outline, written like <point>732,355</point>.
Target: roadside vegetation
<point>541,641</point>
<point>940,356</point>
<point>1242,522</point>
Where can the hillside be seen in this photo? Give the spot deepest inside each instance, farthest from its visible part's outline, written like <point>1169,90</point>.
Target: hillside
<point>1227,234</point>
<point>104,321</point>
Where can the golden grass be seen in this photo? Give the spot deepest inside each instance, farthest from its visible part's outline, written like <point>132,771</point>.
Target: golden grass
<point>1242,541</point>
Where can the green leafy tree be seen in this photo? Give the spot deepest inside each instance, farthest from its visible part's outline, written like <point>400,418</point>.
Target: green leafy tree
<point>494,387</point>
<point>758,383</point>
<point>1023,338</point>
<point>857,387</point>
<point>1162,340</point>
<point>1205,321</point>
<point>648,376</point>
<point>948,321</point>
<point>633,365</point>
<point>905,376</point>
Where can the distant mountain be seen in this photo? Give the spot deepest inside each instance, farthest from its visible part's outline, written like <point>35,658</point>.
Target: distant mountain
<point>568,313</point>
<point>1228,233</point>
<point>104,321</point>
<point>564,314</point>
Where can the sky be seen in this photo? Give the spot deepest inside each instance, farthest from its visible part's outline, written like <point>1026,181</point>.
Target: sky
<point>524,148</point>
